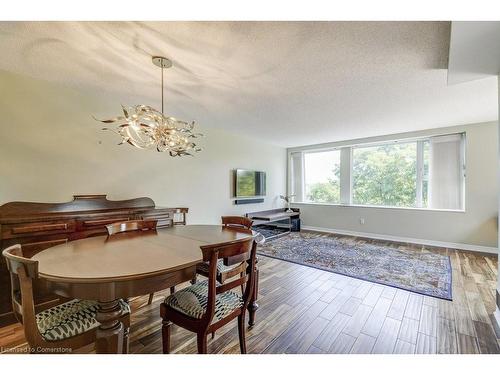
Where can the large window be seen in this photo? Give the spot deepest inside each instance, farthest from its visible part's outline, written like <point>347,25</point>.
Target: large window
<point>385,175</point>
<point>322,176</point>
<point>423,173</point>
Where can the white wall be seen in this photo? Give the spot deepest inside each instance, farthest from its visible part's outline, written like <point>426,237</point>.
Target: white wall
<point>476,228</point>
<point>51,148</point>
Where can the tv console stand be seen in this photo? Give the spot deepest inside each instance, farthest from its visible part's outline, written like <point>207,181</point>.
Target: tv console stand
<point>275,223</point>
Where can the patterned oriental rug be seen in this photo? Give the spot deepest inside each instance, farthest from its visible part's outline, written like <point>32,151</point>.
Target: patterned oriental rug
<point>419,271</point>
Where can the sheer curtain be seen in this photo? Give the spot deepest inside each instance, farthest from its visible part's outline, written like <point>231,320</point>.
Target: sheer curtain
<point>297,176</point>
<point>446,172</point>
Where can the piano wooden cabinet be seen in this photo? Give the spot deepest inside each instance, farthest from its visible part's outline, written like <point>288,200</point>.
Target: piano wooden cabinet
<point>37,226</point>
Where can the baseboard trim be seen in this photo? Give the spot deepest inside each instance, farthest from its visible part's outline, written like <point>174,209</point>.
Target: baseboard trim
<point>418,241</point>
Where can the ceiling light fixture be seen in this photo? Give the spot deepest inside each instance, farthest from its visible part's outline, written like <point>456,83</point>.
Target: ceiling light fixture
<point>146,128</point>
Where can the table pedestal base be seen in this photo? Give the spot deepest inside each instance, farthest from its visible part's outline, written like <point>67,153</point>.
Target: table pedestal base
<point>110,334</point>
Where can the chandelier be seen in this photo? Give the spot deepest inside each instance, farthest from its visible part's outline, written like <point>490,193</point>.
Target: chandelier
<point>146,128</point>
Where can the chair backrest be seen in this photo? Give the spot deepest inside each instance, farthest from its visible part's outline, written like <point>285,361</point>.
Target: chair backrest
<point>129,226</point>
<point>237,221</point>
<point>22,272</point>
<point>241,249</point>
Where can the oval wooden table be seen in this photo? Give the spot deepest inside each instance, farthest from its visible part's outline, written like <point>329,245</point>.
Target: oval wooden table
<point>107,269</point>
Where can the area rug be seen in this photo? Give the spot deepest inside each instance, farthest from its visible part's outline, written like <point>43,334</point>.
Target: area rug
<point>419,271</point>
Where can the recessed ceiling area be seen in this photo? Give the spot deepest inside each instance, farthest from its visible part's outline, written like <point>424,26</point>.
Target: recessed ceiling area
<point>288,83</point>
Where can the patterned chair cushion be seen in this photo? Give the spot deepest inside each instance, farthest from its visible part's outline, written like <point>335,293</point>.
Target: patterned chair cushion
<point>70,319</point>
<point>192,301</point>
<point>221,268</point>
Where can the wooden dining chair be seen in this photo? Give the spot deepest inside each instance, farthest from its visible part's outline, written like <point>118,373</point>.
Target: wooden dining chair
<point>133,226</point>
<point>70,325</point>
<point>225,272</point>
<point>208,305</point>
<point>237,222</point>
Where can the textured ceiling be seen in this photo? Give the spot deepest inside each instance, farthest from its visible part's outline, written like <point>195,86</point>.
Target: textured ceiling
<point>289,83</point>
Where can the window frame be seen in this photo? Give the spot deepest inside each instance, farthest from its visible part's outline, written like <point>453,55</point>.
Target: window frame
<point>346,163</point>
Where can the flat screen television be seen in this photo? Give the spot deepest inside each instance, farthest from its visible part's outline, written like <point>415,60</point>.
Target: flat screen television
<point>249,183</point>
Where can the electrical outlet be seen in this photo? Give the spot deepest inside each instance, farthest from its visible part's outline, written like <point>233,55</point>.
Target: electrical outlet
<point>362,220</point>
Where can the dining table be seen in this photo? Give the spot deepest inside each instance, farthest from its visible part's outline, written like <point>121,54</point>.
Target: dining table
<point>108,269</point>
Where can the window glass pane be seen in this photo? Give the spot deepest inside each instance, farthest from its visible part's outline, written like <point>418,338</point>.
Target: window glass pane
<point>322,173</point>
<point>385,175</point>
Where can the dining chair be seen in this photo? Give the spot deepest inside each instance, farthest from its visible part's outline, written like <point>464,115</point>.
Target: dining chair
<point>226,272</point>
<point>208,305</point>
<point>237,222</point>
<point>70,325</point>
<point>133,226</point>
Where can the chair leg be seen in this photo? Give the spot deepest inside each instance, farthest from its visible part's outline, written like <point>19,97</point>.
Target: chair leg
<point>253,305</point>
<point>126,339</point>
<point>172,289</point>
<point>241,333</point>
<point>202,343</point>
<point>193,280</point>
<point>242,274</point>
<point>150,299</point>
<point>213,335</point>
<point>165,333</point>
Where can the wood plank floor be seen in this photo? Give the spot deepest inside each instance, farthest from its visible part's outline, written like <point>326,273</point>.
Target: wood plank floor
<point>305,310</point>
